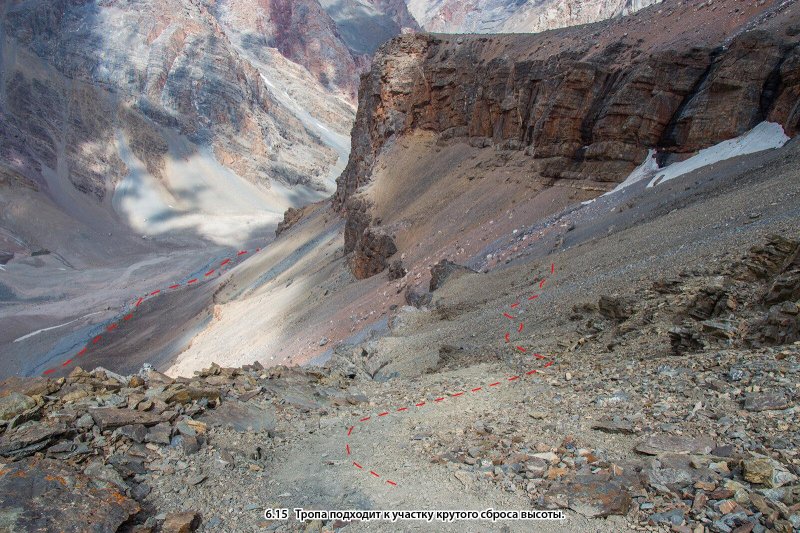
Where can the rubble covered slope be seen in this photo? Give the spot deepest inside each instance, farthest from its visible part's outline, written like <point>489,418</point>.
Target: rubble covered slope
<point>471,321</point>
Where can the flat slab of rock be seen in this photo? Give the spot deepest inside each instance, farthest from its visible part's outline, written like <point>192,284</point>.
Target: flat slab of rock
<point>593,496</point>
<point>240,416</point>
<point>113,418</point>
<point>47,495</point>
<point>660,444</point>
<point>766,401</point>
<point>614,426</point>
<point>30,439</point>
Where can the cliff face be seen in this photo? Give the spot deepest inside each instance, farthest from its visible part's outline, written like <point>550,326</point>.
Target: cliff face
<point>516,16</point>
<point>74,72</point>
<point>582,104</point>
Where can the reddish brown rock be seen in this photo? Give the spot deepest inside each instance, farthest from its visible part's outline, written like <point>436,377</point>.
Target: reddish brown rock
<point>185,522</point>
<point>47,495</point>
<point>372,253</point>
<point>112,418</point>
<point>587,112</point>
<point>592,496</point>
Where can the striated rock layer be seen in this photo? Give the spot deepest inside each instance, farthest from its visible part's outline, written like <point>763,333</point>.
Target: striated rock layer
<point>582,104</point>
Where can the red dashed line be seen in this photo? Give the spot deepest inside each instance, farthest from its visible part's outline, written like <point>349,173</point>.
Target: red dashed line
<point>508,316</point>
<point>348,449</point>
<point>373,473</point>
<point>420,404</point>
<point>548,364</point>
<point>357,465</point>
<point>438,399</point>
<point>495,384</point>
<point>349,431</point>
<point>508,337</point>
<point>541,283</point>
<point>521,349</point>
<point>476,389</point>
<point>514,305</point>
<point>458,394</point>
<point>538,356</point>
<point>129,316</point>
<point>384,413</point>
<point>552,268</point>
<point>533,297</point>
<point>365,419</point>
<point>402,409</point>
<point>392,483</point>
<point>521,327</point>
<point>531,372</point>
<point>512,378</point>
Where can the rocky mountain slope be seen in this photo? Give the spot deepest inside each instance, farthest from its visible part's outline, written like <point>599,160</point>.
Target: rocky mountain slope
<point>666,400</point>
<point>481,325</point>
<point>137,136</point>
<point>575,109</point>
<point>515,16</point>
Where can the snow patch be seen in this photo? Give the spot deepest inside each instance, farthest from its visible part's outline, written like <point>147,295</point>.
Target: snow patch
<point>643,171</point>
<point>765,136</point>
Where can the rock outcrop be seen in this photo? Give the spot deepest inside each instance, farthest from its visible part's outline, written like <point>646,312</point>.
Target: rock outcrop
<point>446,270</point>
<point>372,253</point>
<point>584,104</point>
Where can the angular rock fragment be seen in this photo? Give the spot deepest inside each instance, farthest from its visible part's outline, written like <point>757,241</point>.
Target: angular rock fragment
<point>112,418</point>
<point>241,417</point>
<point>766,401</point>
<point>664,443</point>
<point>29,439</point>
<point>14,404</point>
<point>446,270</point>
<point>766,471</point>
<point>185,522</point>
<point>593,496</point>
<point>614,426</point>
<point>615,308</point>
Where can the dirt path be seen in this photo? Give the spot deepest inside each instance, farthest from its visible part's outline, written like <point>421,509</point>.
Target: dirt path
<point>320,475</point>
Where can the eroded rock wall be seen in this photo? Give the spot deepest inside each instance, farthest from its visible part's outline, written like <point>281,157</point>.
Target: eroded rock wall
<point>582,103</point>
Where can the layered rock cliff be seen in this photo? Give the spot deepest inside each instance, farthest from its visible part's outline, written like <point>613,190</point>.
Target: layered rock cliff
<point>582,104</point>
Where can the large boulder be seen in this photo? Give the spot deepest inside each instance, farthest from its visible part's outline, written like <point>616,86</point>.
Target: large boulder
<point>47,495</point>
<point>372,253</point>
<point>446,270</point>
